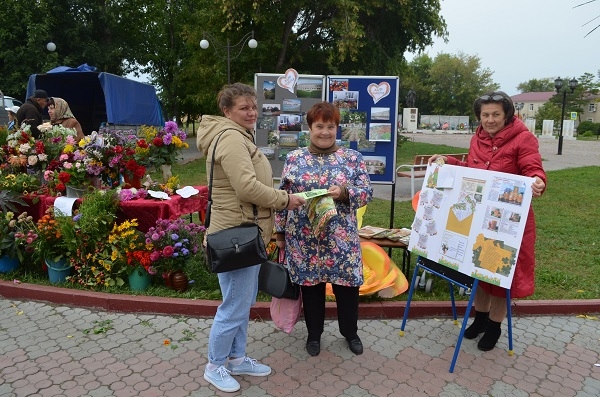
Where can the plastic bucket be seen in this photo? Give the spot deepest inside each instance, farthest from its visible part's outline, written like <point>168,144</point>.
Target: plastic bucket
<point>8,264</point>
<point>139,279</point>
<point>58,271</point>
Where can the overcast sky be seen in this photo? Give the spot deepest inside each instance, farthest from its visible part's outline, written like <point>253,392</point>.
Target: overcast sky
<point>519,40</point>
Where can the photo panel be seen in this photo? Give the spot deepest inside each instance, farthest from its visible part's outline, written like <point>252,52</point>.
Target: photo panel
<point>375,164</point>
<point>269,90</point>
<point>266,122</point>
<point>309,88</point>
<point>338,85</point>
<point>381,132</point>
<point>346,99</point>
<point>269,152</point>
<point>380,113</point>
<point>291,105</point>
<point>289,122</point>
<point>271,109</point>
<point>288,140</point>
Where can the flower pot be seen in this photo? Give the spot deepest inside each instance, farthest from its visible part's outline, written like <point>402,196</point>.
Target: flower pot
<point>58,271</point>
<point>166,172</point>
<point>75,192</point>
<point>8,264</point>
<point>176,280</point>
<point>139,279</point>
<point>132,181</point>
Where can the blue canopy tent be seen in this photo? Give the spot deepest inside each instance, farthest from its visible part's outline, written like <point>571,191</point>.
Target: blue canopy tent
<point>98,97</point>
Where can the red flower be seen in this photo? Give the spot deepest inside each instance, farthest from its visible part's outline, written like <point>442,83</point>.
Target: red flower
<point>140,171</point>
<point>168,251</point>
<point>39,147</point>
<point>61,187</point>
<point>157,141</point>
<point>64,177</point>
<point>142,143</point>
<point>118,149</point>
<point>131,165</point>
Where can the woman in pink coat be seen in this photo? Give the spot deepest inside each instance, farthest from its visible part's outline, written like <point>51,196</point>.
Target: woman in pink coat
<point>503,143</point>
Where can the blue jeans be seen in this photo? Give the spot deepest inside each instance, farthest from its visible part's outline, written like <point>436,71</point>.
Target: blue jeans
<point>229,332</point>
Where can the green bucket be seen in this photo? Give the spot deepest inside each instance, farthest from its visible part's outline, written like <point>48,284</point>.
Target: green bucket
<point>58,271</point>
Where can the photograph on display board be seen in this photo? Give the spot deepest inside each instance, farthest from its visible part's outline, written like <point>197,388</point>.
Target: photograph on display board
<point>273,138</point>
<point>342,143</point>
<point>291,105</point>
<point>309,88</point>
<point>288,140</point>
<point>381,132</point>
<point>266,122</point>
<point>269,152</point>
<point>380,113</point>
<point>338,85</point>
<point>375,164</point>
<point>271,109</point>
<point>365,146</point>
<point>303,139</point>
<point>283,154</point>
<point>269,90</point>
<point>289,122</point>
<point>354,125</point>
<point>345,99</point>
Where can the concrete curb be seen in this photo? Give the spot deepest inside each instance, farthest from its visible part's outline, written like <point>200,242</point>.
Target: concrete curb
<point>207,308</point>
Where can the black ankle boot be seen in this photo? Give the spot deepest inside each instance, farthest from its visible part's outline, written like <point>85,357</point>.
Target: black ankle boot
<point>478,325</point>
<point>490,337</point>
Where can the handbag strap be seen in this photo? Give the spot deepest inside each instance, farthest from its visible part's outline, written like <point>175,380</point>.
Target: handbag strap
<point>210,183</point>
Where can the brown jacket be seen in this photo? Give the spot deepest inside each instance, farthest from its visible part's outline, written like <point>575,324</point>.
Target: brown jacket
<point>242,177</point>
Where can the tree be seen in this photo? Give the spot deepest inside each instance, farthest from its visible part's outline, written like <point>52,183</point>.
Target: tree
<point>537,85</point>
<point>456,81</point>
<point>548,111</point>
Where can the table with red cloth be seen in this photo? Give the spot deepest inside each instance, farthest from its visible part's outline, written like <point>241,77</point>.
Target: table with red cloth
<point>148,211</point>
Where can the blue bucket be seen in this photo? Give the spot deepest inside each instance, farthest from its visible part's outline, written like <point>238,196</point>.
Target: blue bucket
<point>8,264</point>
<point>58,271</point>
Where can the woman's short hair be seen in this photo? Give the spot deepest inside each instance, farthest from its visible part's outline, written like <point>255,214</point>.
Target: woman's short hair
<point>231,92</point>
<point>324,111</point>
<point>495,97</point>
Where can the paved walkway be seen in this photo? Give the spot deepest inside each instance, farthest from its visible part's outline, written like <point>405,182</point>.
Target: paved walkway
<point>48,350</point>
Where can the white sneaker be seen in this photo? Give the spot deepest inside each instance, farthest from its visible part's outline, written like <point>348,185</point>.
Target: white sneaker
<point>221,379</point>
<point>249,367</point>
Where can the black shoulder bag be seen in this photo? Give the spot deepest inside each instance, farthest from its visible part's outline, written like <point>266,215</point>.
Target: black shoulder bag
<point>236,247</point>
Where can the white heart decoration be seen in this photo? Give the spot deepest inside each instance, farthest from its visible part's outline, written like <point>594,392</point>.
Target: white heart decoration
<point>379,91</point>
<point>288,80</point>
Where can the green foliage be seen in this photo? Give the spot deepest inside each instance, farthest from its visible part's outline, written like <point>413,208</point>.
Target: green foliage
<point>8,200</point>
<point>448,84</point>
<point>537,85</point>
<point>585,126</point>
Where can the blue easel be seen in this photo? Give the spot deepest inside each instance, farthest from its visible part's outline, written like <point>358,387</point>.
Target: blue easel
<point>461,280</point>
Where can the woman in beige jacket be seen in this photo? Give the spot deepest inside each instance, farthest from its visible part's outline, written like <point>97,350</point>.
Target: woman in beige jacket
<point>242,177</point>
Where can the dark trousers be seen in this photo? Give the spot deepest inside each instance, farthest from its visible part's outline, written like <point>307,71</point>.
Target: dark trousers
<point>313,301</point>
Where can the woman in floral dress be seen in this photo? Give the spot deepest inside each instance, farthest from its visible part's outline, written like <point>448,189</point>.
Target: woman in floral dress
<point>329,253</point>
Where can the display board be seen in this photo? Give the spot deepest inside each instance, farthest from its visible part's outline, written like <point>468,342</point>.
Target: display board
<point>282,101</point>
<point>369,110</point>
<point>472,221</point>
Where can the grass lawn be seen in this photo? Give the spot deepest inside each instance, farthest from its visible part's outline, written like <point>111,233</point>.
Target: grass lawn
<point>568,246</point>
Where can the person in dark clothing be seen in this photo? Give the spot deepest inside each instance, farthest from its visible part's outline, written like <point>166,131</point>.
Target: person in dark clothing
<point>31,112</point>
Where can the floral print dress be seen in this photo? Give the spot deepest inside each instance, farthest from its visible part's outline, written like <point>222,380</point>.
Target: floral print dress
<point>334,256</point>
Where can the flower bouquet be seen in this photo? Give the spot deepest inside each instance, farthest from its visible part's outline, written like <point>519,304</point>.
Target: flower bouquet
<point>165,144</point>
<point>172,242</point>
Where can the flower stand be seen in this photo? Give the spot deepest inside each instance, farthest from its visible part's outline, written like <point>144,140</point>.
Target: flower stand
<point>176,280</point>
<point>8,264</point>
<point>139,279</point>
<point>75,192</point>
<point>166,172</point>
<point>58,271</point>
<point>132,181</point>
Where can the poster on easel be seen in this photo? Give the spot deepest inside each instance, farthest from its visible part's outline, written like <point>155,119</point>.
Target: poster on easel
<point>369,118</point>
<point>472,221</point>
<point>282,101</point>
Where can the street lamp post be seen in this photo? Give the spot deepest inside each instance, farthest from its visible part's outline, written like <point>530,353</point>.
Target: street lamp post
<point>558,84</point>
<point>229,51</point>
<point>519,106</point>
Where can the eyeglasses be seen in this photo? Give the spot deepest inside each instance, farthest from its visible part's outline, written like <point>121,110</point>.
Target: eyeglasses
<point>495,97</point>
